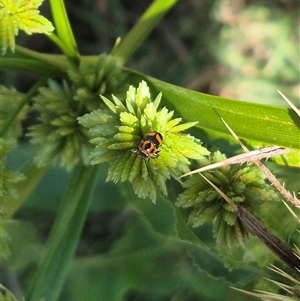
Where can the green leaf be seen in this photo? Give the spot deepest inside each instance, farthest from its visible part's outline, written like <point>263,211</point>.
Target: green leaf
<point>259,124</point>
<point>8,31</point>
<point>150,263</point>
<point>20,14</point>
<point>64,30</point>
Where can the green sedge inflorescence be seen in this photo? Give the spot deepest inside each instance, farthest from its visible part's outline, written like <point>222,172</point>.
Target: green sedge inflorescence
<point>59,105</point>
<point>244,185</point>
<point>8,191</point>
<point>142,142</point>
<point>8,178</point>
<point>11,100</point>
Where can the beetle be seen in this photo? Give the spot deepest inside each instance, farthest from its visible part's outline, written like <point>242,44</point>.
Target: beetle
<point>148,147</point>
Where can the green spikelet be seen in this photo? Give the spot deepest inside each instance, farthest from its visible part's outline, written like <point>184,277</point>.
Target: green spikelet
<point>8,192</point>
<point>244,185</point>
<point>58,132</point>
<point>118,129</point>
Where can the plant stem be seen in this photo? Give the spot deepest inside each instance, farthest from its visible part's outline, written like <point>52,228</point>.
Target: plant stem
<point>282,250</point>
<point>65,39</point>
<point>60,63</point>
<point>142,28</point>
<point>54,266</point>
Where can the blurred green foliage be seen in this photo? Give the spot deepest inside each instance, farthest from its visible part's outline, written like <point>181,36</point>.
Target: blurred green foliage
<point>128,250</point>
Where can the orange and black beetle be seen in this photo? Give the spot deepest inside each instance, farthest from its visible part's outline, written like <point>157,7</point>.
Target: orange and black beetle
<point>148,147</point>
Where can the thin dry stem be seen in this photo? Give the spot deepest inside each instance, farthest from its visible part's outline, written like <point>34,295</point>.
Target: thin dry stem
<point>296,110</point>
<point>266,171</point>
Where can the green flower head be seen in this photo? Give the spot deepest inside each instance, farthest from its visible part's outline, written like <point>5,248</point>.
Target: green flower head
<point>8,178</point>
<point>11,101</point>
<point>8,192</point>
<point>58,132</point>
<point>244,185</point>
<point>59,105</point>
<point>91,79</point>
<point>143,144</point>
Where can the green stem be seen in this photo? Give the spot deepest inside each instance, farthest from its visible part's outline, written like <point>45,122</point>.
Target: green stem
<point>6,294</point>
<point>54,266</point>
<point>65,39</point>
<point>59,62</point>
<point>73,58</point>
<point>26,98</point>
<point>281,249</point>
<point>142,28</point>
